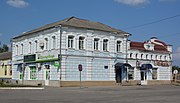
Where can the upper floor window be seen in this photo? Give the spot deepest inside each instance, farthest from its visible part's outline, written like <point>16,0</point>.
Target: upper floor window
<point>141,56</point>
<point>151,57</point>
<point>156,57</point>
<point>17,49</point>
<point>160,57</point>
<point>165,57</point>
<point>146,56</point>
<point>81,42</point>
<point>136,56</point>
<point>70,41</point>
<point>36,46</point>
<point>46,44</point>
<point>22,48</point>
<point>105,45</point>
<point>96,44</point>
<point>30,47</point>
<point>118,46</point>
<point>53,42</point>
<point>131,55</point>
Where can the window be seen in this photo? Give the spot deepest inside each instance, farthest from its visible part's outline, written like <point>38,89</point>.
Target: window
<point>146,56</point>
<point>96,44</point>
<point>5,70</point>
<point>154,73</point>
<point>81,42</point>
<point>46,44</point>
<point>17,49</point>
<point>131,55</point>
<point>165,57</point>
<point>22,48</point>
<point>105,45</point>
<point>70,41</point>
<point>160,57</point>
<point>53,42</point>
<point>156,57</point>
<point>33,73</point>
<point>30,47</point>
<point>151,57</point>
<point>136,56</point>
<point>36,46</point>
<point>141,56</point>
<point>118,47</point>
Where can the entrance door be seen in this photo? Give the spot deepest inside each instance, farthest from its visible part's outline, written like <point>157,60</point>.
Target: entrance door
<point>118,75</point>
<point>47,74</point>
<point>143,77</point>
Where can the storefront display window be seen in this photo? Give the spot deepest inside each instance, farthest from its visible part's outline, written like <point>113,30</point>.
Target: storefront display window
<point>154,73</point>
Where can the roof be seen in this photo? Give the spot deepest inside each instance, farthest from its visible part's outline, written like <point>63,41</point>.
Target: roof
<point>140,46</point>
<point>76,22</point>
<point>5,55</point>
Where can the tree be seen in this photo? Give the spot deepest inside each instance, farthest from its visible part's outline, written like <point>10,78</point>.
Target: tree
<point>4,48</point>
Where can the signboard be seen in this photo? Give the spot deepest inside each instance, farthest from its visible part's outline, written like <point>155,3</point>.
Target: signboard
<point>53,55</point>
<point>56,64</point>
<point>175,72</point>
<point>30,58</point>
<point>80,67</point>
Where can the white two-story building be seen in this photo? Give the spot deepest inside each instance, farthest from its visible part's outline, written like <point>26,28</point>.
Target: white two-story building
<point>51,54</point>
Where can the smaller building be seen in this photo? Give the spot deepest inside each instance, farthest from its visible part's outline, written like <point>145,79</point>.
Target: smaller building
<point>5,65</point>
<point>151,61</point>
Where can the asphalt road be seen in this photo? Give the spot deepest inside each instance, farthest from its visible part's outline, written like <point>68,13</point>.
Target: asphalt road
<point>116,94</point>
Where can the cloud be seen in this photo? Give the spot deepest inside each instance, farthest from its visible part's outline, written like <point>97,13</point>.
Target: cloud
<point>17,3</point>
<point>133,2</point>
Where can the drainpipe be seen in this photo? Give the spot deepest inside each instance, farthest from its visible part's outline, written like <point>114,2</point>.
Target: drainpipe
<point>60,56</point>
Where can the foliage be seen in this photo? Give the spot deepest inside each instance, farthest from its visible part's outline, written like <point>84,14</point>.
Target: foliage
<point>4,48</point>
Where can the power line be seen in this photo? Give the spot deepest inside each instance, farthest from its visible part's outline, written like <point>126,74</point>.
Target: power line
<point>141,25</point>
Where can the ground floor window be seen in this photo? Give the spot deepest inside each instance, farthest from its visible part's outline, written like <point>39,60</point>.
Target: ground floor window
<point>154,73</point>
<point>33,74</point>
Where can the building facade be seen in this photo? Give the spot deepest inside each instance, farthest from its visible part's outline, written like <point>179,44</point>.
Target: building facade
<point>5,66</point>
<point>151,61</point>
<point>51,54</point>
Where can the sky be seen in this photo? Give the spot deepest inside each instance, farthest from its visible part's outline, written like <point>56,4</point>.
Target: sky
<point>141,18</point>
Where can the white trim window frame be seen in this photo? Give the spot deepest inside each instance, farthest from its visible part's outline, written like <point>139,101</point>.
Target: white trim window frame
<point>36,46</point>
<point>46,44</point>
<point>105,45</point>
<point>71,41</point>
<point>96,44</point>
<point>81,43</point>
<point>22,48</point>
<point>53,42</point>
<point>118,46</point>
<point>30,47</point>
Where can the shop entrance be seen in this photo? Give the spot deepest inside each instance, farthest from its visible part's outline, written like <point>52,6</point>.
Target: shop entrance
<point>120,69</point>
<point>47,74</point>
<point>143,77</point>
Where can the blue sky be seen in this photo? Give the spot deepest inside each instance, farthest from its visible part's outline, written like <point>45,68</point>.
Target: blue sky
<point>17,16</point>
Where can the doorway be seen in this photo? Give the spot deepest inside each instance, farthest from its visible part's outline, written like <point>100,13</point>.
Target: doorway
<point>118,75</point>
<point>47,74</point>
<point>143,77</point>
